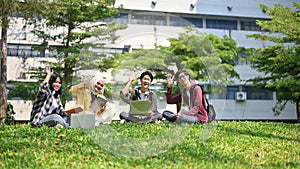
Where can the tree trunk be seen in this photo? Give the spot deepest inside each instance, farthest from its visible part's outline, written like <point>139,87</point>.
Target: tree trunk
<point>298,110</point>
<point>3,73</point>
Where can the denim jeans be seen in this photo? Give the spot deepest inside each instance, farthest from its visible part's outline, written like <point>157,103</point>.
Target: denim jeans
<point>140,119</point>
<point>53,119</point>
<point>183,118</point>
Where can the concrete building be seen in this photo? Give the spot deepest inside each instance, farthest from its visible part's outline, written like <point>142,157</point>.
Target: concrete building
<point>152,22</point>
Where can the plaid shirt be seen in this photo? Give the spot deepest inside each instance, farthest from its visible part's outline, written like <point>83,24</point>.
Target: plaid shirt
<point>42,104</point>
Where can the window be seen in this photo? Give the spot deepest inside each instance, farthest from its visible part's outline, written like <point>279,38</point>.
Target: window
<point>258,94</point>
<point>180,22</point>
<point>249,26</point>
<point>221,24</point>
<point>185,21</point>
<point>148,19</point>
<point>231,92</point>
<point>195,21</point>
<point>23,50</point>
<point>122,19</point>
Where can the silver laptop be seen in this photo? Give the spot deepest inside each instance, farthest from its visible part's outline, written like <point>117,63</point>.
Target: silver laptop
<point>139,107</point>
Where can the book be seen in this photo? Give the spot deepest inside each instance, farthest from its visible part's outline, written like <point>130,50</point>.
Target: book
<point>98,103</point>
<point>74,109</point>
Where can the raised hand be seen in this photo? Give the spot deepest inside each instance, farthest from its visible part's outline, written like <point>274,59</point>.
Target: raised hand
<point>133,77</point>
<point>87,79</point>
<point>48,70</point>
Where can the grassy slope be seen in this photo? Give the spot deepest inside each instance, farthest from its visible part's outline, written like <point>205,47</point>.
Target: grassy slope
<point>231,145</point>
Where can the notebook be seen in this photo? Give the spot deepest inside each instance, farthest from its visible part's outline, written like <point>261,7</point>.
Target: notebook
<point>140,107</point>
<point>75,109</point>
<point>97,102</point>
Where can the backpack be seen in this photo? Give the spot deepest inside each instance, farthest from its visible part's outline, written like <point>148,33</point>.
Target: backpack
<point>211,113</point>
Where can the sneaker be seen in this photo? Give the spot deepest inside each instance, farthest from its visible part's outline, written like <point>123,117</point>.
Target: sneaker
<point>58,126</point>
<point>155,121</point>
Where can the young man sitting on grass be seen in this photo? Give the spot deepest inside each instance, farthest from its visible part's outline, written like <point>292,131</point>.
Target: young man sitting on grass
<point>141,93</point>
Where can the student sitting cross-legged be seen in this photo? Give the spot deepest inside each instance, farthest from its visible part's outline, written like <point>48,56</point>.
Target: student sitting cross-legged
<point>140,94</point>
<point>47,108</point>
<point>191,96</point>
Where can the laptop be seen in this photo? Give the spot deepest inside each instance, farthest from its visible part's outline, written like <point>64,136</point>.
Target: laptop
<point>139,107</point>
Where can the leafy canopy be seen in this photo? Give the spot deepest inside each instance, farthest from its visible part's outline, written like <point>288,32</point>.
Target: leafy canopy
<point>280,62</point>
<point>206,57</point>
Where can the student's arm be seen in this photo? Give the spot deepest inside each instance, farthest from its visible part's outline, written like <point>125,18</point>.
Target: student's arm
<point>77,88</point>
<point>172,99</point>
<point>132,77</point>
<point>49,73</point>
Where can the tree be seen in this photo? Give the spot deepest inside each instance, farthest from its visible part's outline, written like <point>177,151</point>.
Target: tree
<point>200,54</point>
<point>75,21</point>
<point>206,56</point>
<point>280,62</point>
<point>7,9</point>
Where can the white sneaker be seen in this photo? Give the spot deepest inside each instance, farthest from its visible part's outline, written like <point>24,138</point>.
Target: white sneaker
<point>122,121</point>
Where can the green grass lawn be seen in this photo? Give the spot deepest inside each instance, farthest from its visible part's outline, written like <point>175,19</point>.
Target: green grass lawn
<point>229,144</point>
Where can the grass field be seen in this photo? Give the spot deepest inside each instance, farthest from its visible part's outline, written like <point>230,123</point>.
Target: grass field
<point>226,144</point>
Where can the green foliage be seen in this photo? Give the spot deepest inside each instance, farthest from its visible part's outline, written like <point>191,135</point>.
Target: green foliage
<point>200,54</point>
<point>206,56</point>
<point>26,90</point>
<point>225,47</point>
<point>232,145</point>
<point>81,20</point>
<point>144,60</point>
<point>9,119</point>
<point>280,62</point>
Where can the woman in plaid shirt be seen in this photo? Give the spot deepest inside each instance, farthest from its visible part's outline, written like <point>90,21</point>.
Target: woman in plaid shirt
<point>47,108</point>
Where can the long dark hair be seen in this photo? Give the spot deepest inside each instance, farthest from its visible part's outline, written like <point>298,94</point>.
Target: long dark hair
<point>52,79</point>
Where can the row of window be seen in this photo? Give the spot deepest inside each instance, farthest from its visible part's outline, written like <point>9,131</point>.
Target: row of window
<point>27,50</point>
<point>230,93</point>
<point>165,20</point>
<point>23,51</point>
